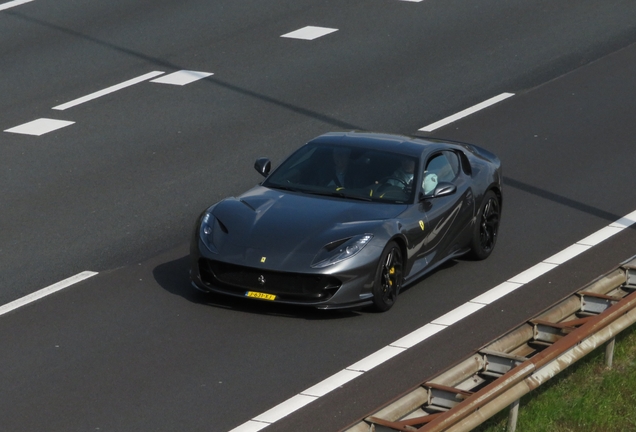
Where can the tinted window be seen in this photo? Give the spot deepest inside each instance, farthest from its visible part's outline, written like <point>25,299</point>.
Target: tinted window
<point>442,167</point>
<point>445,165</point>
<point>349,172</point>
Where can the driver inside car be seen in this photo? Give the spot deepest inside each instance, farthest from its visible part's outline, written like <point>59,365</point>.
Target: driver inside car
<point>339,175</point>
<point>403,176</point>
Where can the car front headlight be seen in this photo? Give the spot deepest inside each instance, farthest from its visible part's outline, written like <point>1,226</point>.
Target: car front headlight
<point>341,250</point>
<point>206,231</point>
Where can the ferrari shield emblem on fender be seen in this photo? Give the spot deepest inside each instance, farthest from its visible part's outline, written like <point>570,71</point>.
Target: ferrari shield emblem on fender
<point>422,225</point>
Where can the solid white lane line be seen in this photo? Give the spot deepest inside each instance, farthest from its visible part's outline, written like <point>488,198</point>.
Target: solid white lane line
<point>466,112</point>
<point>458,314</point>
<point>430,329</point>
<point>532,273</point>
<point>108,90</point>
<point>496,293</point>
<point>625,221</point>
<point>332,383</point>
<point>39,127</point>
<point>567,254</point>
<point>418,335</point>
<point>309,33</point>
<point>375,359</point>
<point>13,3</point>
<point>285,408</point>
<point>45,291</point>
<point>181,77</point>
<point>251,426</point>
<point>601,235</point>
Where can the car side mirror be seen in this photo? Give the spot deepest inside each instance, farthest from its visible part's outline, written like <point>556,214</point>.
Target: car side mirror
<point>263,166</point>
<point>442,189</point>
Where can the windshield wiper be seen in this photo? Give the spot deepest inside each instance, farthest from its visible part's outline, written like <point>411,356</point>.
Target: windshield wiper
<point>339,194</point>
<point>281,187</point>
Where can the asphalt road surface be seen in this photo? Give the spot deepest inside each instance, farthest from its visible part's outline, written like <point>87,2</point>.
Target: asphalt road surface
<point>113,183</point>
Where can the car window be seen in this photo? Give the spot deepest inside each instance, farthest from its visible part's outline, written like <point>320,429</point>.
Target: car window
<point>442,167</point>
<point>350,172</point>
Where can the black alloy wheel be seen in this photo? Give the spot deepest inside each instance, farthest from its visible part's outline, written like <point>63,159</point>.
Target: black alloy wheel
<point>388,279</point>
<point>486,227</point>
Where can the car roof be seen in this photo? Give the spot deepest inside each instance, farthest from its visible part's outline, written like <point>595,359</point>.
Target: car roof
<point>378,141</point>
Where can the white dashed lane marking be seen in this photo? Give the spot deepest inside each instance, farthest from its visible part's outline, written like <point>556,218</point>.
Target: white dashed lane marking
<point>45,291</point>
<point>40,126</point>
<point>13,3</point>
<point>466,112</point>
<point>181,77</point>
<point>309,33</point>
<point>108,90</point>
<point>45,125</point>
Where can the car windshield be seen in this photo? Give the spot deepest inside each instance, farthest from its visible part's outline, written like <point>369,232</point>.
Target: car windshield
<point>347,172</point>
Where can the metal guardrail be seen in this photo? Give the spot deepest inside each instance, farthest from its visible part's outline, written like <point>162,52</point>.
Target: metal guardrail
<point>499,374</point>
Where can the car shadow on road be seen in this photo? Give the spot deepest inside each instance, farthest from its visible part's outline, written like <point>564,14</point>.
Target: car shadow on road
<point>174,277</point>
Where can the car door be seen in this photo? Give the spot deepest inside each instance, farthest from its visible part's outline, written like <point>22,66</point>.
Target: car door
<point>449,215</point>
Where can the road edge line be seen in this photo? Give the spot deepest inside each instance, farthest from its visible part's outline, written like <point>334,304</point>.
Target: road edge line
<point>459,313</point>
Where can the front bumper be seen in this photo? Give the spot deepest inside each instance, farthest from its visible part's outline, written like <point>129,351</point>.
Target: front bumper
<point>335,290</point>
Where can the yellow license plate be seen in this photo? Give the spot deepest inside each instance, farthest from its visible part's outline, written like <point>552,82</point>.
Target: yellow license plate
<point>260,295</point>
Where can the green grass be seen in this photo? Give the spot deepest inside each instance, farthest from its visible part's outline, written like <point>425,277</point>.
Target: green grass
<point>585,397</point>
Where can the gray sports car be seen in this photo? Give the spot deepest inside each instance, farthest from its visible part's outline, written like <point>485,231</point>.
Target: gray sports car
<point>348,220</point>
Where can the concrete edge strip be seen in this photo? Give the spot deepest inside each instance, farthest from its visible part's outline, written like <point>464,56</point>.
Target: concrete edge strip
<point>459,313</point>
<point>46,291</point>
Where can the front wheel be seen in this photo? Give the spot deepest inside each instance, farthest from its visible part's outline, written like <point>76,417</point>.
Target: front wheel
<point>486,227</point>
<point>388,277</point>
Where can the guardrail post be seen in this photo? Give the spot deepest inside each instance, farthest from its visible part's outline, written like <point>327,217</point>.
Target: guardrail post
<point>512,416</point>
<point>609,352</point>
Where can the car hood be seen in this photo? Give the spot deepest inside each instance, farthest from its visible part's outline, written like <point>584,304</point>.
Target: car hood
<point>281,230</point>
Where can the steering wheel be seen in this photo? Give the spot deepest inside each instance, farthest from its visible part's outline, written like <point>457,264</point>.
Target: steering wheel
<point>383,181</point>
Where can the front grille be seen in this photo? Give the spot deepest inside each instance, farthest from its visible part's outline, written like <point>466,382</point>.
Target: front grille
<point>286,286</point>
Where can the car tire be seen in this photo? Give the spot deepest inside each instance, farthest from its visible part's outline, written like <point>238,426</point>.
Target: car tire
<point>388,277</point>
<point>486,229</point>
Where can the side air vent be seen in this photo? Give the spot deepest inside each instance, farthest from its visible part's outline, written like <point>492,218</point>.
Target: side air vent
<point>222,226</point>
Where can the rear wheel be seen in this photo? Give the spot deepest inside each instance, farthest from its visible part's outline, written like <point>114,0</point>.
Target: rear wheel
<point>486,227</point>
<point>388,277</point>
